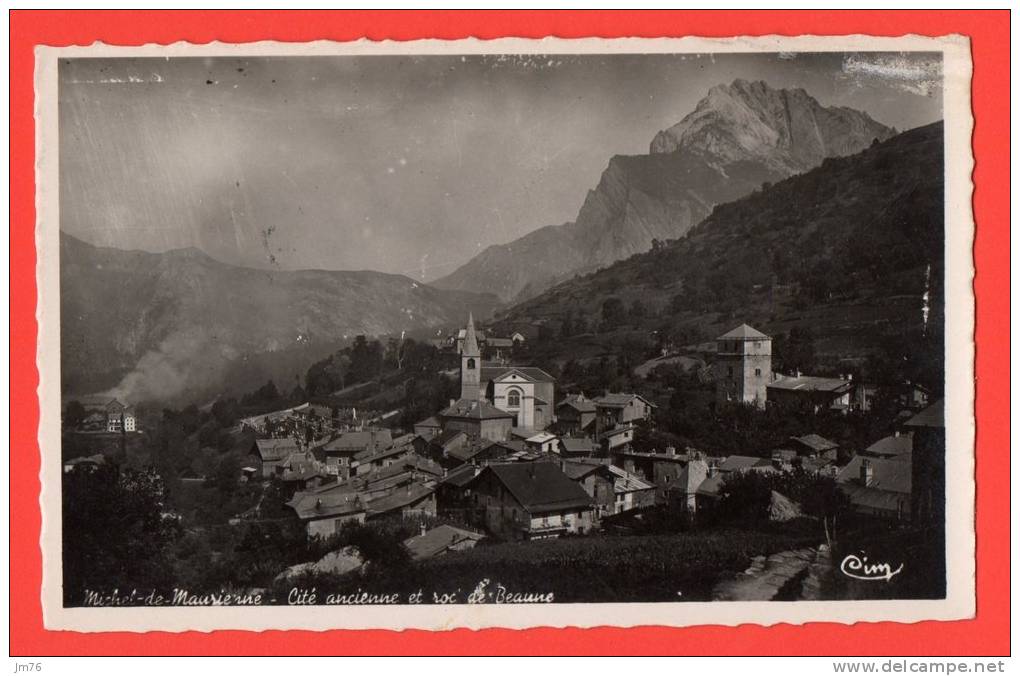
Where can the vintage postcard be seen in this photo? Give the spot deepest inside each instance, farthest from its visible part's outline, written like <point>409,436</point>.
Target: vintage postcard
<point>506,333</point>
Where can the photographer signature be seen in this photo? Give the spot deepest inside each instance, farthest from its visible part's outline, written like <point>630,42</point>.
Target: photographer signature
<point>858,568</point>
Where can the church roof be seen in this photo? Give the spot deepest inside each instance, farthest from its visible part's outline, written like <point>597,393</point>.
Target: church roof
<point>743,332</point>
<point>474,410</point>
<point>533,373</point>
<point>470,340</point>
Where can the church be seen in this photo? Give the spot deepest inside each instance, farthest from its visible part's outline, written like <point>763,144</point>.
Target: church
<point>496,399</point>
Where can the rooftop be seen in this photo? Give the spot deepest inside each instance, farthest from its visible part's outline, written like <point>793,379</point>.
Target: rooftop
<point>886,475</point>
<point>540,486</point>
<point>275,449</point>
<point>438,540</point>
<point>809,384</point>
<point>474,410</point>
<point>743,332</point>
<point>816,442</point>
<point>619,399</point>
<point>578,402</point>
<point>933,416</point>
<point>530,372</point>
<point>892,446</point>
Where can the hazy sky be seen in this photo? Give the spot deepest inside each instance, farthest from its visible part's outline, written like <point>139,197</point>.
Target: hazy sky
<point>400,164</point>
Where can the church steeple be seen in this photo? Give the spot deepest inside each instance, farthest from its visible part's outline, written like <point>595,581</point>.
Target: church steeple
<point>470,364</point>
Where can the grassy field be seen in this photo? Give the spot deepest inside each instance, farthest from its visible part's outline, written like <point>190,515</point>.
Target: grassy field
<point>604,569</point>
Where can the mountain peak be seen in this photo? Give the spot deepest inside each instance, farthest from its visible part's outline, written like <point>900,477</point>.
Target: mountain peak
<point>787,129</point>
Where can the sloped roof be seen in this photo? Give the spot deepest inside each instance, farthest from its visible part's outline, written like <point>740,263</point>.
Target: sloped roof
<point>327,502</point>
<point>577,444</point>
<point>531,372</point>
<point>743,332</point>
<point>619,399</point>
<point>578,470</point>
<point>470,340</point>
<point>400,498</point>
<point>460,476</point>
<point>710,486</point>
<point>500,342</point>
<point>809,384</point>
<point>816,442</point>
<point>892,446</point>
<point>736,463</point>
<point>886,475</point>
<point>578,402</point>
<point>431,421</point>
<point>933,416</point>
<point>354,442</point>
<point>626,482</point>
<point>541,438</point>
<point>444,438</point>
<point>474,410</point>
<point>438,540</point>
<point>539,486</point>
<point>275,449</point>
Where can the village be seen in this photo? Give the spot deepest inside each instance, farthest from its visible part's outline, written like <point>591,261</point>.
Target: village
<point>515,460</point>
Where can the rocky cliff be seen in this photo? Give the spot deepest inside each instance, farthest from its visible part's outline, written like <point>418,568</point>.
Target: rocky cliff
<point>738,137</point>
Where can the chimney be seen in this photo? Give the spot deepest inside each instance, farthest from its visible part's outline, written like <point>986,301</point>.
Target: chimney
<point>867,473</point>
<point>318,503</point>
<point>452,402</point>
<point>796,374</point>
<point>423,528</point>
<point>671,450</point>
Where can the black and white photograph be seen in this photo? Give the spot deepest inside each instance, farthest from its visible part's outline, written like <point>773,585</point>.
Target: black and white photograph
<point>416,330</point>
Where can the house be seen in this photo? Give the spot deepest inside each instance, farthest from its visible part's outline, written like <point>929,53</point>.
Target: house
<point>630,491</point>
<point>300,471</point>
<point>543,442</point>
<point>575,414</point>
<point>743,366</point>
<point>453,496</point>
<point>272,453</point>
<point>928,465</point>
<point>369,460</point>
<point>340,453</point>
<point>878,487</point>
<point>618,409</point>
<point>440,540</point>
<point>597,481</point>
<point>810,393</point>
<point>913,396</point>
<point>812,446</point>
<point>478,419</point>
<point>616,438</point>
<point>324,511</point>
<point>442,448</point>
<point>429,428</point>
<point>572,447</point>
<point>85,464</point>
<point>675,476</point>
<point>530,500</point>
<point>498,349</point>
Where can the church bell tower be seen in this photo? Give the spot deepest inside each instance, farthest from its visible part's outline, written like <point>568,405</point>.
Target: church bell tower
<point>470,364</point>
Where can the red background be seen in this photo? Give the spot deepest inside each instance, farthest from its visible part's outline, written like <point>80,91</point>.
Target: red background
<point>988,634</point>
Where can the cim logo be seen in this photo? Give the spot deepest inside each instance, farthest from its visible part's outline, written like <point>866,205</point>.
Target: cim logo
<point>858,568</point>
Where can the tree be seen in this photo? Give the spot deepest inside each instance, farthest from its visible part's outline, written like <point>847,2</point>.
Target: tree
<point>116,533</point>
<point>613,313</point>
<point>74,414</point>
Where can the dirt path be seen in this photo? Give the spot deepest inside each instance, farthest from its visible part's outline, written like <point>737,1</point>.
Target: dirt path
<point>766,576</point>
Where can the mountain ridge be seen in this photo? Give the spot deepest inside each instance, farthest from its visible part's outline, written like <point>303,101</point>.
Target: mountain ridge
<point>721,151</point>
<point>158,325</point>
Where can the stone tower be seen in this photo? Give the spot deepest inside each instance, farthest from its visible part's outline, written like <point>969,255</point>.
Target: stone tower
<point>743,366</point>
<point>470,364</point>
